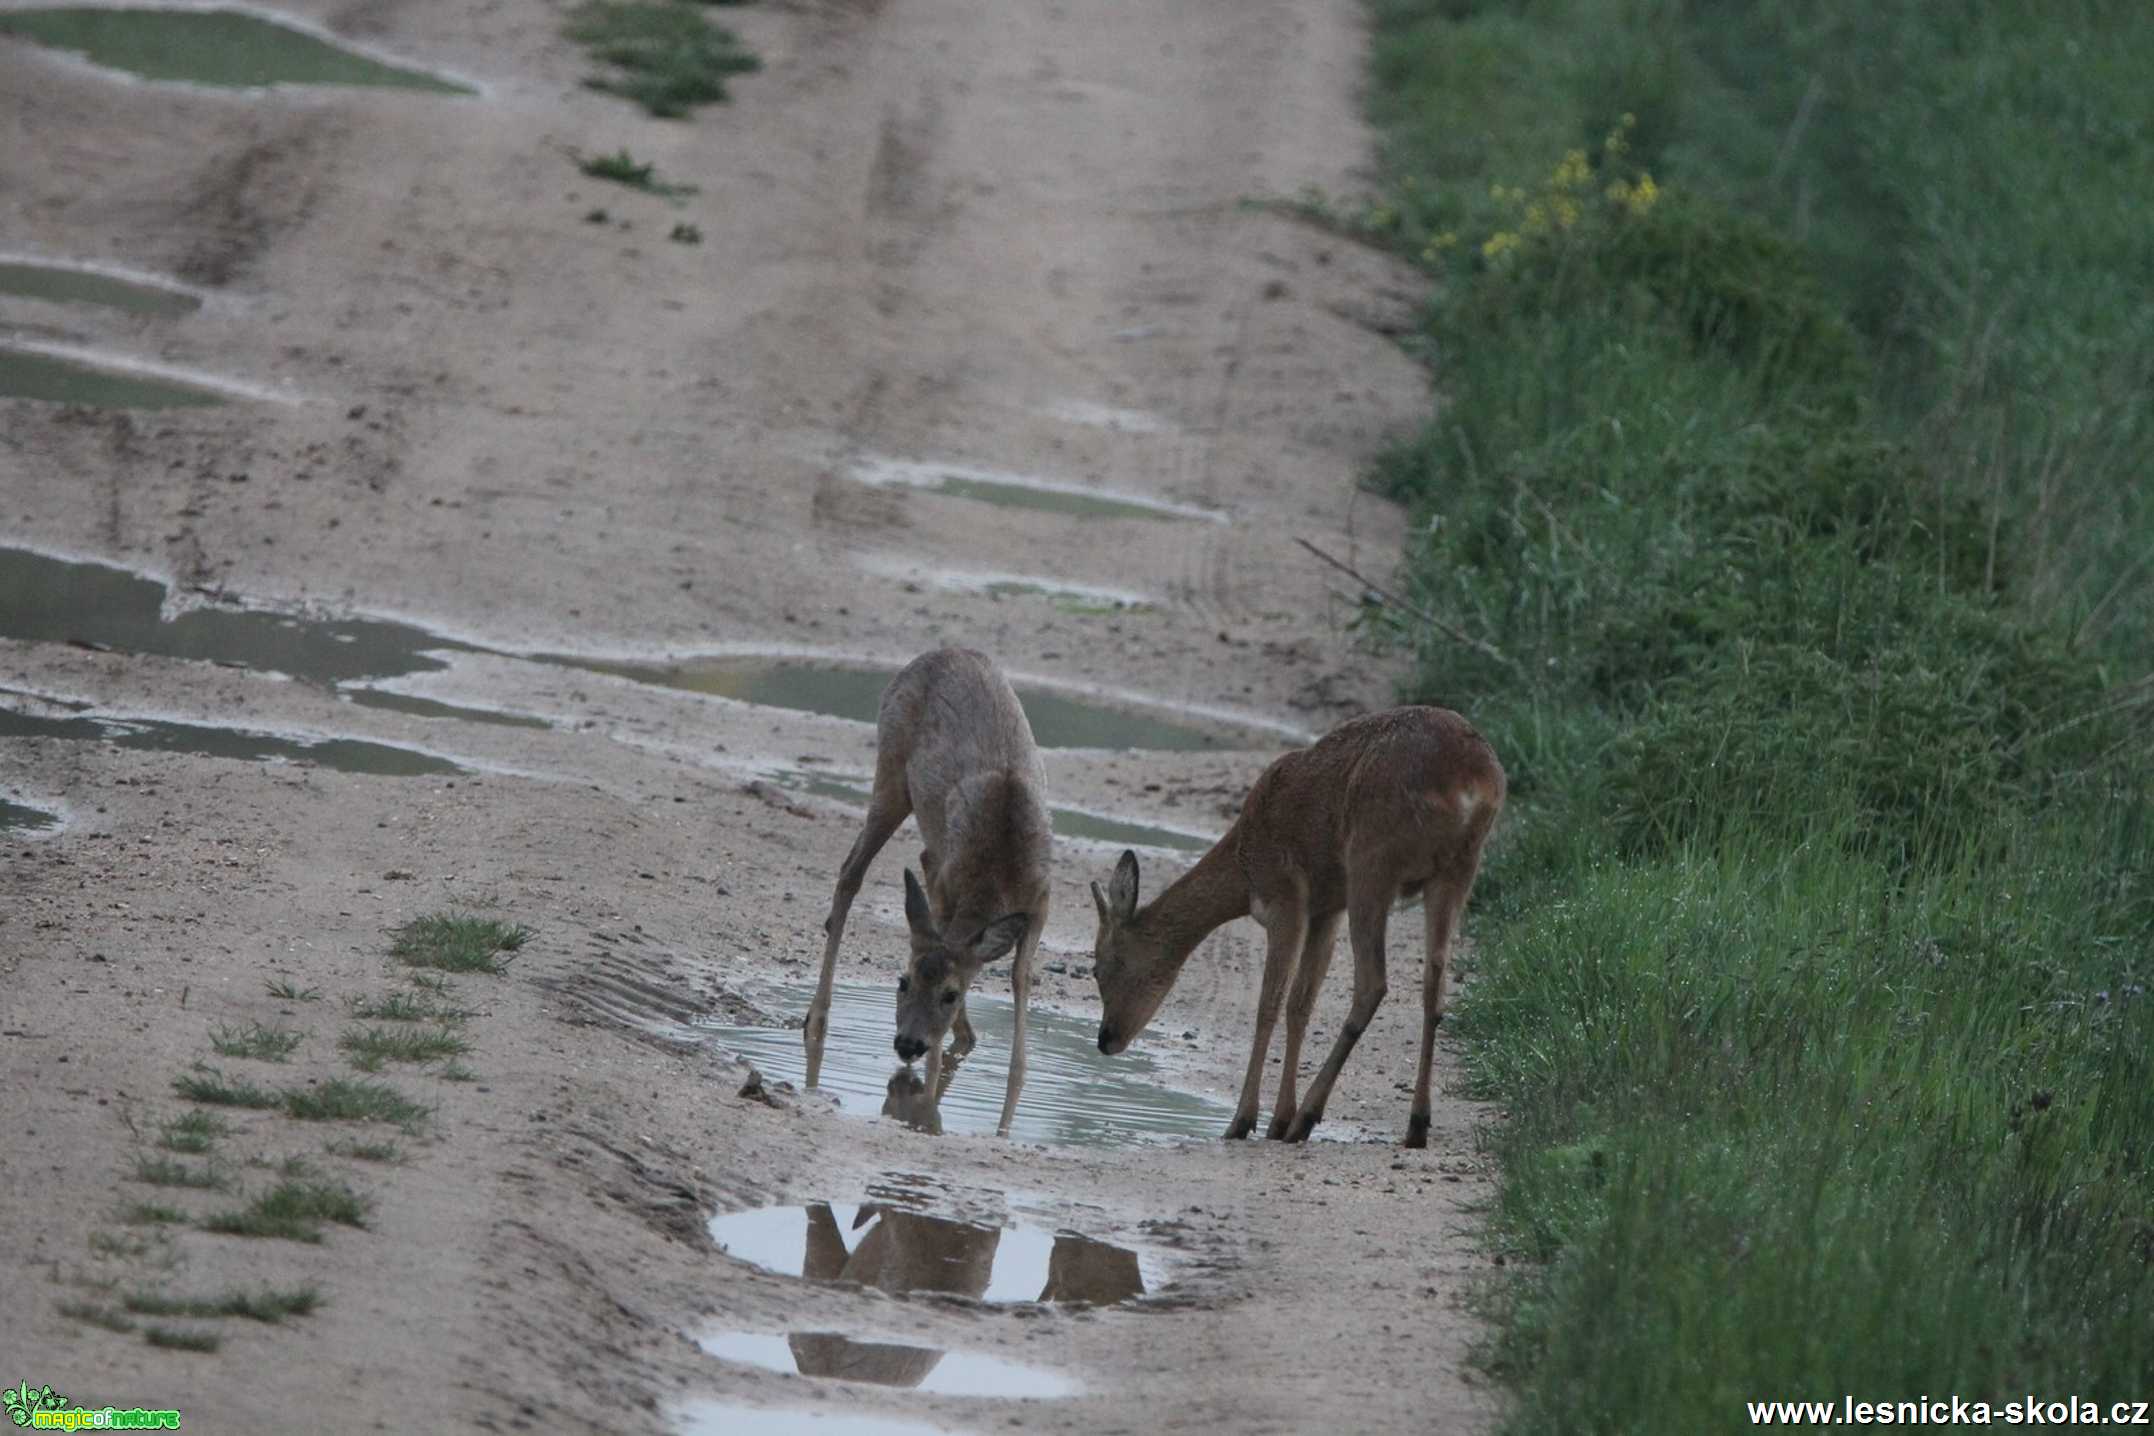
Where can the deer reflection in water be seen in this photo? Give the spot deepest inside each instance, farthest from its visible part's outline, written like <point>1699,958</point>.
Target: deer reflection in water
<point>907,1251</point>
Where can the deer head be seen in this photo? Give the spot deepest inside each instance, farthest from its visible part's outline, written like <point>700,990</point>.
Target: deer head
<point>943,964</point>
<point>1134,968</point>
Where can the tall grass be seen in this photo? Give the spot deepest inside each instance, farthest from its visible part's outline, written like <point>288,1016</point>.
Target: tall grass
<point>1790,474</point>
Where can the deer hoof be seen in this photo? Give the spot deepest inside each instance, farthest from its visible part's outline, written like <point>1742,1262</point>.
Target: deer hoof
<point>1417,1130</point>
<point>1276,1132</point>
<point>1239,1128</point>
<point>1303,1126</point>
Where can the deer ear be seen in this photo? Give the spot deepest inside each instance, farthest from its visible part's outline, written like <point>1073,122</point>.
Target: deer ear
<point>1122,887</point>
<point>1099,900</point>
<point>917,915</point>
<point>999,936</point>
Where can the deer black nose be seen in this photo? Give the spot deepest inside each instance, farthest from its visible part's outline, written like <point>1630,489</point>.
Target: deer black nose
<point>909,1048</point>
<point>1106,1038</point>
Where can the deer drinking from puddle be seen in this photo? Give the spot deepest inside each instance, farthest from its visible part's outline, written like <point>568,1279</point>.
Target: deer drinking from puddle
<point>1382,807</point>
<point>953,750</point>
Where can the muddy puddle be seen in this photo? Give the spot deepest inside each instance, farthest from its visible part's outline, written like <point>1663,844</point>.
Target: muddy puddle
<point>1068,822</point>
<point>344,755</point>
<point>90,605</point>
<point>889,1242</point>
<point>1072,1096</point>
<point>18,818</point>
<point>25,374</point>
<point>64,284</point>
<point>227,49</point>
<point>992,486</point>
<point>832,1356</point>
<point>729,1418</point>
<point>842,691</point>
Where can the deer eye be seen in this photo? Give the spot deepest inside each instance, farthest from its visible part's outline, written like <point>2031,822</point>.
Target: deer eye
<point>904,984</point>
<point>948,998</point>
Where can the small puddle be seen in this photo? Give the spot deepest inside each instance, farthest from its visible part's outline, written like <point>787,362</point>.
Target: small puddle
<point>730,1418</point>
<point>890,1247</point>
<point>228,49</point>
<point>835,1357</point>
<point>994,486</point>
<point>1068,822</point>
<point>1072,1096</point>
<point>433,708</point>
<point>344,755</point>
<point>54,600</point>
<point>22,818</point>
<point>66,284</point>
<point>25,374</point>
<point>840,691</point>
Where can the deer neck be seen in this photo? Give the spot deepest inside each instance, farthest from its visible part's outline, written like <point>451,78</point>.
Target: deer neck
<point>1208,896</point>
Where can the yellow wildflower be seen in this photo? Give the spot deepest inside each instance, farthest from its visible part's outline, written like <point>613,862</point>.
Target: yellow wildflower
<point>1499,244</point>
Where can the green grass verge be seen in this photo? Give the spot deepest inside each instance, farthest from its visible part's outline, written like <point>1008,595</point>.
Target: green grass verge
<point>1787,490</point>
<point>663,54</point>
<point>455,942</point>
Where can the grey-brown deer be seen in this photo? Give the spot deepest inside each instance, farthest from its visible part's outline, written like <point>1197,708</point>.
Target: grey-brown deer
<point>953,750</point>
<point>1382,808</point>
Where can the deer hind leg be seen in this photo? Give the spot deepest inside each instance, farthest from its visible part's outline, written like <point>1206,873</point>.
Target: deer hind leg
<point>1308,978</point>
<point>1285,925</point>
<point>1021,993</point>
<point>1368,911</point>
<point>1444,902</point>
<point>888,806</point>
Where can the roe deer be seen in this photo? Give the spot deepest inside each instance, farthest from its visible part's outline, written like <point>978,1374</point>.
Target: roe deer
<point>952,749</point>
<point>1380,808</point>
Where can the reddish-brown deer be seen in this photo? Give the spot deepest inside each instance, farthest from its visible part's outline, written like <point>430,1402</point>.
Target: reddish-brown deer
<point>1382,808</point>
<point>953,750</point>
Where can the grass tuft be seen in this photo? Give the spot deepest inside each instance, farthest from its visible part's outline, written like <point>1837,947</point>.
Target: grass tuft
<point>170,1172</point>
<point>370,1047</point>
<point>266,1044</point>
<point>151,1214</point>
<point>267,1305</point>
<point>91,1314</point>
<point>292,1211</point>
<point>208,1085</point>
<point>455,942</point>
<point>192,1132</point>
<point>287,990</point>
<point>662,54</point>
<point>182,1339</point>
<point>405,1007</point>
<point>343,1099</point>
<point>388,1152</point>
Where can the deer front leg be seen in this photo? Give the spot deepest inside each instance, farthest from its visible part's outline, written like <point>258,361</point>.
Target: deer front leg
<point>1021,994</point>
<point>961,1034</point>
<point>1308,978</point>
<point>1284,924</point>
<point>1367,914</point>
<point>885,812</point>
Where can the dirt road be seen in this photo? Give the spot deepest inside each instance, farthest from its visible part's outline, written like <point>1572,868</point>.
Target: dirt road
<point>1002,241</point>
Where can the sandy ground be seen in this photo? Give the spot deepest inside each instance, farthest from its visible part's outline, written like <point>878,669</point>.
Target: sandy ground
<point>1007,236</point>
